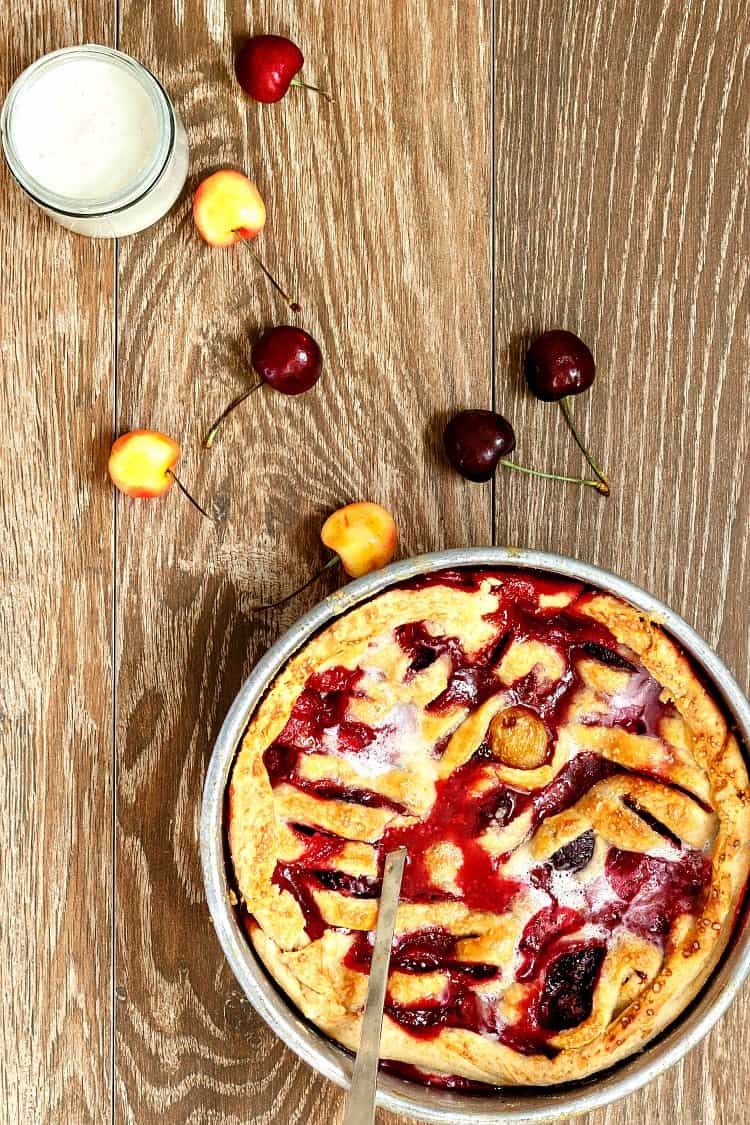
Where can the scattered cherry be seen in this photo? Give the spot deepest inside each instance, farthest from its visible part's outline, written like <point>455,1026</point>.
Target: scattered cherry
<point>477,441</point>
<point>288,359</point>
<point>267,65</point>
<point>558,365</point>
<point>228,208</point>
<point>285,357</point>
<point>142,463</point>
<point>364,537</point>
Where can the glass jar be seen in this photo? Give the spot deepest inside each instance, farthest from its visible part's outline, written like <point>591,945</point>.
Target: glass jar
<point>91,136</point>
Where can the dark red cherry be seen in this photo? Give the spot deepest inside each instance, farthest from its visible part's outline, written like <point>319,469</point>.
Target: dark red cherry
<point>568,994</point>
<point>288,359</point>
<point>559,364</point>
<point>575,855</point>
<point>475,440</point>
<point>266,66</point>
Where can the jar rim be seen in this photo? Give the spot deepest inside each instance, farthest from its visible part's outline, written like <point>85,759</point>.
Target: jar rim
<point>132,193</point>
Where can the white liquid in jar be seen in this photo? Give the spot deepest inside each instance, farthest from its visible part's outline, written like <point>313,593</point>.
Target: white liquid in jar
<point>94,140</point>
<point>85,129</point>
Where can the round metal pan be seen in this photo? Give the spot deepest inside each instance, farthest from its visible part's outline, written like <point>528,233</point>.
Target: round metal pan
<point>513,1104</point>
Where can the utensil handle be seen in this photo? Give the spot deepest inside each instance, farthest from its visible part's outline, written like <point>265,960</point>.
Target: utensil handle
<point>360,1103</point>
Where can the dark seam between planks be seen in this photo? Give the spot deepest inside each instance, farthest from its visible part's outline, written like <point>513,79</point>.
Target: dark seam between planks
<point>493,250</point>
<point>115,412</point>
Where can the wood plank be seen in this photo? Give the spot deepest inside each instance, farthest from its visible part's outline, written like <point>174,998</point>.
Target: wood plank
<point>379,212</point>
<point>621,149</point>
<point>56,403</point>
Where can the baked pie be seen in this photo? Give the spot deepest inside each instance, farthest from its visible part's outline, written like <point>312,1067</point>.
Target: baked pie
<point>575,808</point>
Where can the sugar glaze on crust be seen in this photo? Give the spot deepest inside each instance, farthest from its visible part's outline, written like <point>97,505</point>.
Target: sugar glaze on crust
<point>576,810</point>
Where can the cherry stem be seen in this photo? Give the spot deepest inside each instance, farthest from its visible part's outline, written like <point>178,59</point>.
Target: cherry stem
<point>307,86</point>
<point>293,305</point>
<point>184,491</point>
<point>214,428</point>
<point>600,485</point>
<point>282,601</point>
<point>565,407</point>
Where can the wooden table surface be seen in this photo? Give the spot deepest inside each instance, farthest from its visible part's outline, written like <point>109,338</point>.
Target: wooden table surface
<point>487,170</point>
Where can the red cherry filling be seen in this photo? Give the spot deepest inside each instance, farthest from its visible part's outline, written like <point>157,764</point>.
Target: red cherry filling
<point>460,1006</point>
<point>607,656</point>
<point>280,762</point>
<point>300,883</point>
<point>541,931</point>
<point>571,784</point>
<point>356,886</point>
<point>576,855</point>
<point>442,1081</point>
<point>423,951</point>
<point>471,680</point>
<point>322,703</point>
<point>318,846</point>
<point>458,818</point>
<point>333,791</point>
<point>568,992</point>
<point>654,891</point>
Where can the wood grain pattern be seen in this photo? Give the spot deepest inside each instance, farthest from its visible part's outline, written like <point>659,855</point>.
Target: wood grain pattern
<point>56,340</point>
<point>621,142</point>
<point>379,220</point>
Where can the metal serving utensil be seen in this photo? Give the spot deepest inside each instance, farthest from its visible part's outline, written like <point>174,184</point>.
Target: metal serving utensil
<point>360,1102</point>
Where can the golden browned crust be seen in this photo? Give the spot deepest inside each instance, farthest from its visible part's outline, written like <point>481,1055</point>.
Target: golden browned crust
<point>642,985</point>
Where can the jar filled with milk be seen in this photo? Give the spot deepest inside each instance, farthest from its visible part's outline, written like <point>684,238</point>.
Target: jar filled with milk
<point>92,137</point>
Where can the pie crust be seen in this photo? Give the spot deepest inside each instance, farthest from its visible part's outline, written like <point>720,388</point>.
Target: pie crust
<point>576,809</point>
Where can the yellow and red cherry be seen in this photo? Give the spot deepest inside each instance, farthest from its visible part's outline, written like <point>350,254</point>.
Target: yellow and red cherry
<point>288,359</point>
<point>558,364</point>
<point>477,441</point>
<point>228,208</point>
<point>142,464</point>
<point>267,65</point>
<point>362,535</point>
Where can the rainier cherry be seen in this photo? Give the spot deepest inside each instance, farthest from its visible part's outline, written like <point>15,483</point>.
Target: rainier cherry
<point>286,358</point>
<point>558,365</point>
<point>228,208</point>
<point>142,463</point>
<point>363,535</point>
<point>267,65</point>
<point>477,441</point>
